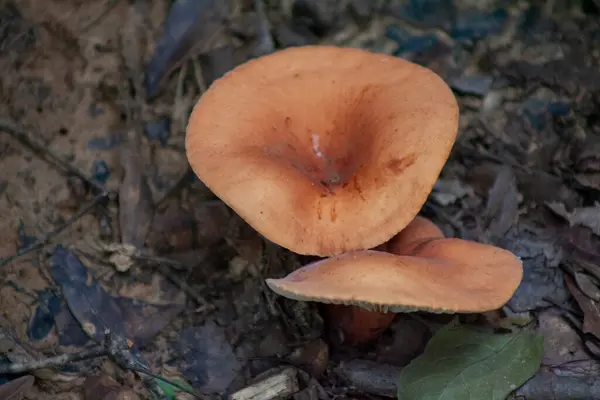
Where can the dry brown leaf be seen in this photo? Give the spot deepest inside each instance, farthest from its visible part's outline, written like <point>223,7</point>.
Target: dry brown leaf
<point>502,204</point>
<point>102,387</point>
<point>135,197</point>
<point>590,308</point>
<point>582,216</point>
<point>16,389</point>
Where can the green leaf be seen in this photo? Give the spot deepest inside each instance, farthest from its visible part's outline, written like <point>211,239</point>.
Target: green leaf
<point>467,364</point>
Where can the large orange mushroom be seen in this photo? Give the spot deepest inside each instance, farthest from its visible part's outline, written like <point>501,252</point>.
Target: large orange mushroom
<point>420,271</point>
<point>323,150</point>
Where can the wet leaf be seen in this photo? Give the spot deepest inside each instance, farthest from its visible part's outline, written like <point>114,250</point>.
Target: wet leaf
<point>190,27</point>
<point>427,12</point>
<point>317,15</point>
<point>449,191</point>
<point>143,321</point>
<point>566,75</point>
<point>70,332</point>
<point>102,387</point>
<point>582,216</point>
<point>590,308</point>
<point>542,277</point>
<point>583,258</point>
<point>562,343</point>
<point>211,224</point>
<point>209,360</point>
<point>289,34</point>
<point>417,44</point>
<point>463,363</point>
<point>588,284</point>
<point>17,34</point>
<point>502,204</point>
<point>216,62</point>
<point>42,321</point>
<point>16,389</point>
<point>539,112</point>
<point>265,43</point>
<point>478,24</point>
<point>94,309</point>
<point>135,197</point>
<point>158,130</point>
<point>590,180</point>
<point>172,230</point>
<point>534,186</point>
<point>25,240</point>
<point>478,85</point>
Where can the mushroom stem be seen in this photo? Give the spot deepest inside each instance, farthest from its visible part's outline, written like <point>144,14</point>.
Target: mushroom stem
<point>361,325</point>
<point>357,324</point>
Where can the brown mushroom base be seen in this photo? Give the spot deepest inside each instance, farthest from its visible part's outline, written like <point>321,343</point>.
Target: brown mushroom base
<point>357,324</point>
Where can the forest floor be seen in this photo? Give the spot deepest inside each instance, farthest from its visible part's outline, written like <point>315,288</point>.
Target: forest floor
<point>95,98</point>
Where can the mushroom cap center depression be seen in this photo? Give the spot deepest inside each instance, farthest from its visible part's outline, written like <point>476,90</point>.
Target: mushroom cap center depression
<point>328,153</point>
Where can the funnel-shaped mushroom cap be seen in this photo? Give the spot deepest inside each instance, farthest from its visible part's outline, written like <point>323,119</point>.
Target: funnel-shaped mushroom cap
<point>323,149</point>
<point>448,275</point>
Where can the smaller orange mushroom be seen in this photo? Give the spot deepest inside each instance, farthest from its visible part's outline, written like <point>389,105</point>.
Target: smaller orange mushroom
<point>420,271</point>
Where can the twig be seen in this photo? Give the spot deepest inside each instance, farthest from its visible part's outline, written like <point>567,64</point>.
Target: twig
<point>92,23</point>
<point>199,75</point>
<point>205,305</point>
<point>163,265</point>
<point>45,239</point>
<point>117,348</point>
<point>53,362</point>
<point>23,137</point>
<point>101,193</point>
<point>176,186</point>
<point>266,44</point>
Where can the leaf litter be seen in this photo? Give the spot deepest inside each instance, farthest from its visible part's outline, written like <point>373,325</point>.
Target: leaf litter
<point>156,259</point>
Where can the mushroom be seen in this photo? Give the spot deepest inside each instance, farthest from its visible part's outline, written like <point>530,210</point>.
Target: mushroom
<point>420,271</point>
<point>322,149</point>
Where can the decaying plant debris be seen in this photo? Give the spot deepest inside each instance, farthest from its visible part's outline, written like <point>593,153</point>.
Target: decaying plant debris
<point>123,275</point>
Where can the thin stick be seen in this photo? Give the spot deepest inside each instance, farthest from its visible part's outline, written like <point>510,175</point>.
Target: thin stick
<point>176,186</point>
<point>202,302</point>
<point>111,347</point>
<point>53,362</point>
<point>23,137</point>
<point>44,240</point>
<point>92,23</point>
